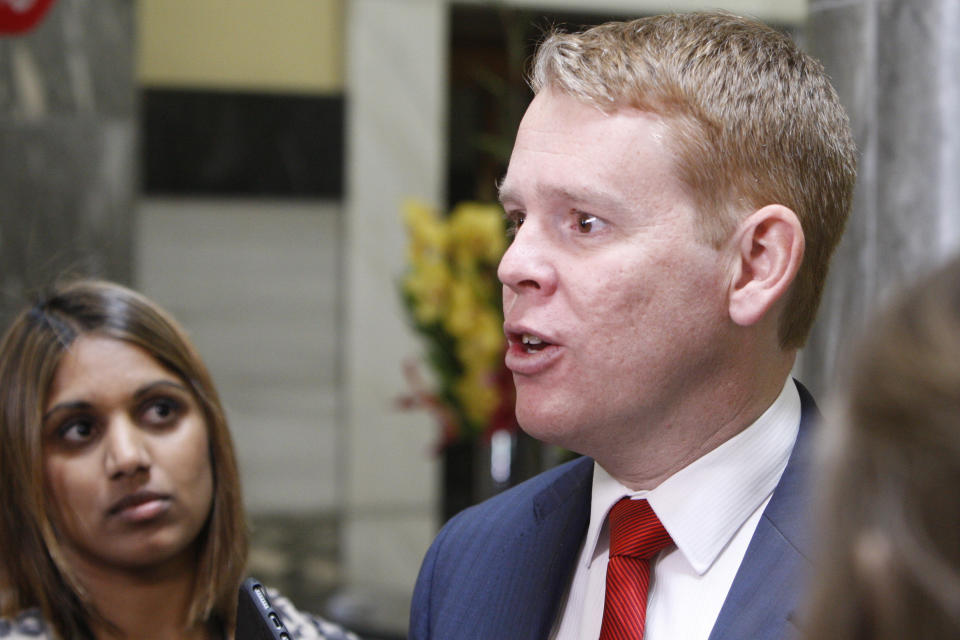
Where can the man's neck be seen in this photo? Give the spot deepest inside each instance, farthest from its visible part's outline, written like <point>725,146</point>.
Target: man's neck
<point>665,444</point>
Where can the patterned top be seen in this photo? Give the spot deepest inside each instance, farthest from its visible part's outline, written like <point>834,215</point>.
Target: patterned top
<point>30,625</point>
<point>304,626</point>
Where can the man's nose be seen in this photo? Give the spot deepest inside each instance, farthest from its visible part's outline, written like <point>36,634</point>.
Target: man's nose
<point>527,266</point>
<point>126,452</point>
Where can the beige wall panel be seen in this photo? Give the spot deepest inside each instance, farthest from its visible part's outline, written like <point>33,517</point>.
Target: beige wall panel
<point>286,45</point>
<point>256,284</point>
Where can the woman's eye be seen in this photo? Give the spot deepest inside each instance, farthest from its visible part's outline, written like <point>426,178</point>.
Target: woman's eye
<point>77,430</point>
<point>161,410</point>
<point>587,223</point>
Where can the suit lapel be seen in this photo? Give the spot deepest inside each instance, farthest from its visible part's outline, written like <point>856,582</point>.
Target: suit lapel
<point>551,542</point>
<point>764,594</point>
<point>500,569</point>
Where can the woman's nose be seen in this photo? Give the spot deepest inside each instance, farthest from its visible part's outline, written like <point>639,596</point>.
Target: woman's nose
<point>126,451</point>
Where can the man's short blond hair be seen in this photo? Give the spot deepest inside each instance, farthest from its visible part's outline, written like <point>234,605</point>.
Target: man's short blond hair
<point>755,121</point>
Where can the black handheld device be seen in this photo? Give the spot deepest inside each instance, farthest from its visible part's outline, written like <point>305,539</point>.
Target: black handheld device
<point>256,617</point>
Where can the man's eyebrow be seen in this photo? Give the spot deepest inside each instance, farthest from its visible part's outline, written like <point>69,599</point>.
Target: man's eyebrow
<point>584,194</point>
<point>503,191</point>
<point>581,195</point>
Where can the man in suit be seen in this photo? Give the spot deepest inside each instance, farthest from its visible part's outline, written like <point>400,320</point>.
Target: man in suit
<point>676,189</point>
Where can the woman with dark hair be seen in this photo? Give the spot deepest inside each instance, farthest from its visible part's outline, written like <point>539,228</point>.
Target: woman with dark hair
<point>889,565</point>
<point>122,513</point>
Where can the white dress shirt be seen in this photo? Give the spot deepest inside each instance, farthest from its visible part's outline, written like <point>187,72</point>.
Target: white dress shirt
<point>710,508</point>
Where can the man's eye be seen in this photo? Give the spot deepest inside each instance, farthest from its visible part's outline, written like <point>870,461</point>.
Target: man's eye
<point>587,223</point>
<point>514,222</point>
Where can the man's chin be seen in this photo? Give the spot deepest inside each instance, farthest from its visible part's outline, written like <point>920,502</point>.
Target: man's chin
<point>550,428</point>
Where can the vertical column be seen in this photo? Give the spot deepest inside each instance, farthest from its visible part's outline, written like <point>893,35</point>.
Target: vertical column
<point>396,66</point>
<point>894,65</point>
<point>67,169</point>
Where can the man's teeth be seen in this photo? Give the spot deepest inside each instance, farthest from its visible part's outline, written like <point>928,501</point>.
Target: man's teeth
<point>531,343</point>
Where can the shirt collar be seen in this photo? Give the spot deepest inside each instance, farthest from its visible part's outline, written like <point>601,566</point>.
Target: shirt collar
<point>704,504</point>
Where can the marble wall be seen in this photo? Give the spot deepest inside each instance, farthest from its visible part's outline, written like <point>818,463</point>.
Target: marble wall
<point>67,158</point>
<point>396,61</point>
<point>895,67</point>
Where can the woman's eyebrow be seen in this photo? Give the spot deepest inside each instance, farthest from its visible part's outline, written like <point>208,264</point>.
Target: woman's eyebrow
<point>72,405</point>
<point>147,388</point>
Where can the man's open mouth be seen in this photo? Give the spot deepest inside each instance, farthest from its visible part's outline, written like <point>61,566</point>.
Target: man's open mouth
<point>532,344</point>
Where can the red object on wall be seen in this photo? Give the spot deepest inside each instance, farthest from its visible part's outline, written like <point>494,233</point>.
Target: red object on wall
<point>19,16</point>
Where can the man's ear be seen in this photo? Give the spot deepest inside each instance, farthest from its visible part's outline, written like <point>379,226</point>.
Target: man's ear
<point>768,247</point>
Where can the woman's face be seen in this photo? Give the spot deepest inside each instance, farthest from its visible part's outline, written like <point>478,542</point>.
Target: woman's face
<point>126,458</point>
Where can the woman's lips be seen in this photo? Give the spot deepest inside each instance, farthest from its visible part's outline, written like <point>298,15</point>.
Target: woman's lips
<point>140,506</point>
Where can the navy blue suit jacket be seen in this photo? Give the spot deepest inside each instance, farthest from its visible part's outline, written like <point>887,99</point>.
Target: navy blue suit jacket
<point>498,570</point>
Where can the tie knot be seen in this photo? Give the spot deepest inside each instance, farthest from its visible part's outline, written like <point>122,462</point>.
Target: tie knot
<point>635,530</point>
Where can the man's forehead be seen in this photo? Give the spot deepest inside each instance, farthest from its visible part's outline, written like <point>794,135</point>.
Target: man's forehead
<point>607,165</point>
<point>560,123</point>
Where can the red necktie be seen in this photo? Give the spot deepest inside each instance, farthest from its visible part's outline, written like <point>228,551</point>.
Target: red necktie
<point>636,535</point>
